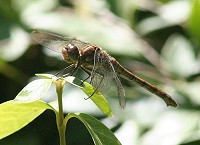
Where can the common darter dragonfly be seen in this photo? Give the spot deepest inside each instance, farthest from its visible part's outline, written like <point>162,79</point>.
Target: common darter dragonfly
<point>101,67</point>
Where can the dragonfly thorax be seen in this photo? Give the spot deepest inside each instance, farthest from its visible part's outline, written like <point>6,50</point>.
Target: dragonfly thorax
<point>70,53</point>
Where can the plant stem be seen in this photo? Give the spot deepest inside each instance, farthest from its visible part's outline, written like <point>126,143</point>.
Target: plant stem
<point>60,116</point>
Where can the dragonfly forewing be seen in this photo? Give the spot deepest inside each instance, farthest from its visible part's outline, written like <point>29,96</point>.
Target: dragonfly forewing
<point>55,42</point>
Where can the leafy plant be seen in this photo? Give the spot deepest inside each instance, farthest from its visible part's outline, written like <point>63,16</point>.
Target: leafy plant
<point>17,113</point>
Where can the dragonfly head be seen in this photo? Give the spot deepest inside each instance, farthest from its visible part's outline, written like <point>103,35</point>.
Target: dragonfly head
<point>70,53</point>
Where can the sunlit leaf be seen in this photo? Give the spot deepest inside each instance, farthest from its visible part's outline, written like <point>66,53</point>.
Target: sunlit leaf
<point>14,116</point>
<point>101,135</point>
<point>95,96</point>
<point>35,90</point>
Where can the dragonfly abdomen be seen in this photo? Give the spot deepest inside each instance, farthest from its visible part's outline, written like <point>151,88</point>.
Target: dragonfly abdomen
<point>124,73</point>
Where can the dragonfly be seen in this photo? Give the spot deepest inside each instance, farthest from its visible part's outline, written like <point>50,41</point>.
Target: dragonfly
<point>99,65</point>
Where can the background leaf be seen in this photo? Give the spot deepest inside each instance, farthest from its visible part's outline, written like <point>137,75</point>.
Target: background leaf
<point>194,21</point>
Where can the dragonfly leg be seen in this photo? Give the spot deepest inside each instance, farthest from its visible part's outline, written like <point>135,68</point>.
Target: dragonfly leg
<point>71,73</point>
<point>66,68</point>
<point>89,75</point>
<point>76,66</point>
<point>95,89</point>
<point>88,72</point>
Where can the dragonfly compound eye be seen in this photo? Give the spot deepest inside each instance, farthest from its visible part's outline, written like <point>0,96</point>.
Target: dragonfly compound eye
<point>72,51</point>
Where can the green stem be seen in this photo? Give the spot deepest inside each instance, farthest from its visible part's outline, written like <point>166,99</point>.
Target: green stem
<point>60,116</point>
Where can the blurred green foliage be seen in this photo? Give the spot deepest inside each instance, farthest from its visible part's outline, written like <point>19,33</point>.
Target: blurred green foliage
<point>157,40</point>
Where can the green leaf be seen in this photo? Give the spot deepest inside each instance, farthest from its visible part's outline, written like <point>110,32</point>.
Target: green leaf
<point>101,135</point>
<point>34,90</point>
<point>97,97</point>
<point>14,116</point>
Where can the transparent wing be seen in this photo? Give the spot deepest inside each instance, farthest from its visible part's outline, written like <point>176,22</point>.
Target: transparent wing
<point>55,42</point>
<point>103,74</point>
